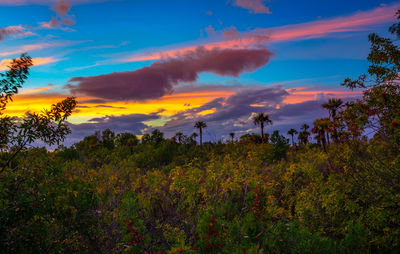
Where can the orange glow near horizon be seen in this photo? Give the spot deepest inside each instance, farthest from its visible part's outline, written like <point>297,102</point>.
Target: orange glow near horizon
<point>170,104</point>
<point>33,101</point>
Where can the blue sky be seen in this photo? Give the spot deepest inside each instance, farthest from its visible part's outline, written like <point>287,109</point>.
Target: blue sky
<point>310,47</point>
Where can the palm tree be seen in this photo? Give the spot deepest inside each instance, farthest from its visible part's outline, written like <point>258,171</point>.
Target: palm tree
<point>320,127</point>
<point>200,125</point>
<point>291,132</point>
<point>332,106</point>
<point>232,134</point>
<point>179,136</point>
<point>261,119</point>
<point>304,134</point>
<point>305,127</point>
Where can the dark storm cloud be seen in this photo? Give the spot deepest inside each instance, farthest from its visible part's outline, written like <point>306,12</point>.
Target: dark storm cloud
<point>160,77</point>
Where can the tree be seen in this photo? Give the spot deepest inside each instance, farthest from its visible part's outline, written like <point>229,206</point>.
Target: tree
<point>126,139</point>
<point>108,139</point>
<point>179,136</point>
<point>305,127</point>
<point>13,79</point>
<point>332,106</point>
<point>379,109</point>
<point>280,144</point>
<point>320,127</point>
<point>232,134</point>
<point>292,132</point>
<point>261,119</point>
<point>48,126</point>
<point>304,134</point>
<point>200,125</point>
<point>155,138</point>
<point>193,137</point>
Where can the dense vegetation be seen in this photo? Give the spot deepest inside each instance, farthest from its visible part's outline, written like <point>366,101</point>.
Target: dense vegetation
<point>113,193</point>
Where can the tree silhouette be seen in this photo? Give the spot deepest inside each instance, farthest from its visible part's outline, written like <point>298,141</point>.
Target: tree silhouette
<point>320,127</point>
<point>232,134</point>
<point>49,126</point>
<point>179,136</point>
<point>332,106</point>
<point>194,136</point>
<point>261,119</point>
<point>305,127</point>
<point>304,134</point>
<point>292,132</point>
<point>200,125</point>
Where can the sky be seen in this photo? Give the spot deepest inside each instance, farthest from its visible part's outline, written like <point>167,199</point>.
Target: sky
<point>137,65</point>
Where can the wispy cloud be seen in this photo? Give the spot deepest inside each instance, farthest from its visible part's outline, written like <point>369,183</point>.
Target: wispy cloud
<point>61,8</point>
<point>210,31</point>
<point>15,31</point>
<point>232,38</point>
<point>36,62</point>
<point>28,48</point>
<point>254,6</point>
<point>46,2</point>
<point>36,90</point>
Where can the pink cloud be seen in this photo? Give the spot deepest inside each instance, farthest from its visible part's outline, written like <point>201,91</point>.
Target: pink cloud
<point>61,8</point>
<point>160,77</point>
<point>36,62</point>
<point>254,6</point>
<point>46,2</point>
<point>28,48</point>
<point>232,38</point>
<point>210,31</point>
<point>16,31</point>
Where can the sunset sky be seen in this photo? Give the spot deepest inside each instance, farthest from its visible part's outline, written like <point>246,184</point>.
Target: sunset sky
<point>136,65</point>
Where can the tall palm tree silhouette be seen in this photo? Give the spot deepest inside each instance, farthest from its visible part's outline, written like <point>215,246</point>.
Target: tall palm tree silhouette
<point>232,134</point>
<point>261,119</point>
<point>291,132</point>
<point>320,127</point>
<point>305,127</point>
<point>200,125</point>
<point>332,106</point>
<point>179,136</point>
<point>304,134</point>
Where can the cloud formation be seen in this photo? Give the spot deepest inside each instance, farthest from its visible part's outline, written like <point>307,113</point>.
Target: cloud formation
<point>4,63</point>
<point>16,31</point>
<point>227,115</point>
<point>360,21</point>
<point>210,31</point>
<point>46,2</point>
<point>254,6</point>
<point>61,8</point>
<point>160,77</point>
<point>28,48</point>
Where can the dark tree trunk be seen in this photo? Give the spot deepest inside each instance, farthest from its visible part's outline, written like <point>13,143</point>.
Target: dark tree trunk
<point>323,141</point>
<point>327,136</point>
<point>201,136</point>
<point>262,132</point>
